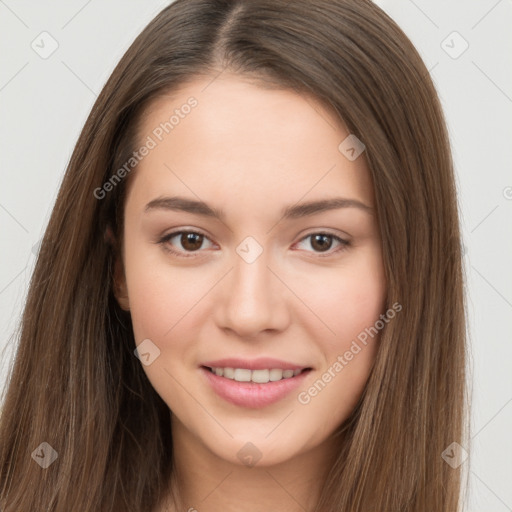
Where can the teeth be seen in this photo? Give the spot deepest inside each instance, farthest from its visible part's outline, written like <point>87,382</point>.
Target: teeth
<point>242,375</point>
<point>275,374</point>
<point>258,376</point>
<point>229,373</point>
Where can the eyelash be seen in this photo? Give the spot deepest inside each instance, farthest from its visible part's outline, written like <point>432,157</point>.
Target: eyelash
<point>165,239</point>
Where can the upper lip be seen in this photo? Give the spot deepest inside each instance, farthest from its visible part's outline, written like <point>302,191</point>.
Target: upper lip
<point>261,363</point>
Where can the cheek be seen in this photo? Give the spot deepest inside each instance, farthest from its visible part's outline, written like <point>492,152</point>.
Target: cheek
<point>161,298</point>
<point>160,294</point>
<point>350,305</point>
<point>152,304</point>
<point>347,299</point>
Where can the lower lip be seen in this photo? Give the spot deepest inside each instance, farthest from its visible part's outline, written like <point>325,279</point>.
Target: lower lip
<point>253,394</point>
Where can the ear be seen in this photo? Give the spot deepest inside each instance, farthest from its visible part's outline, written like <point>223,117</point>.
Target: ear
<point>119,285</point>
<point>119,279</point>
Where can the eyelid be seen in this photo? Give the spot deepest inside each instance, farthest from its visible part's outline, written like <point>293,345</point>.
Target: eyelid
<point>344,243</point>
<point>165,238</point>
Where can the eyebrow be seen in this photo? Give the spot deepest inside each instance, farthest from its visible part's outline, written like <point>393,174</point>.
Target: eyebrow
<point>295,211</point>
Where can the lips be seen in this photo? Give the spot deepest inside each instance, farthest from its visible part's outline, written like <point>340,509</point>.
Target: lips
<point>252,394</point>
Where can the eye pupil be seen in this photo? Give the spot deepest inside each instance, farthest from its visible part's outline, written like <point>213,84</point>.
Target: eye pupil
<point>188,239</point>
<point>323,246</point>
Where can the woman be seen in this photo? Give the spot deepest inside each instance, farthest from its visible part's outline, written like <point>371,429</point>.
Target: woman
<point>249,295</point>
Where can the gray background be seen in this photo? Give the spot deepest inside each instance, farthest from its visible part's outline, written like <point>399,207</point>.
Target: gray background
<point>44,103</point>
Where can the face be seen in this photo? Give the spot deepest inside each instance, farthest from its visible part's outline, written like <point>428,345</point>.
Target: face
<point>254,275</point>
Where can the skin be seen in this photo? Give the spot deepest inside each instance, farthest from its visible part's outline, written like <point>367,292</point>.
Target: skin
<point>251,151</point>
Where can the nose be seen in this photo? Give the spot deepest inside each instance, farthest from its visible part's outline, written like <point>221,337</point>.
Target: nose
<point>253,299</point>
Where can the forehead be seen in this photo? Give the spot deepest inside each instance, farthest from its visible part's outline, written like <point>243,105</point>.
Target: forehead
<point>240,137</point>
<point>238,108</point>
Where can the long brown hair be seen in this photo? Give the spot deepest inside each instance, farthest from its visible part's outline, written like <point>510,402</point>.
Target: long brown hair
<point>76,384</point>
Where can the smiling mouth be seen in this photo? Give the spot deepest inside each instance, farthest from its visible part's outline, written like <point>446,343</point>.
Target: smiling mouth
<point>257,376</point>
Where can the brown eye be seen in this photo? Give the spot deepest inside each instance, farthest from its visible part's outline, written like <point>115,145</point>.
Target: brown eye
<point>191,241</point>
<point>321,242</point>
